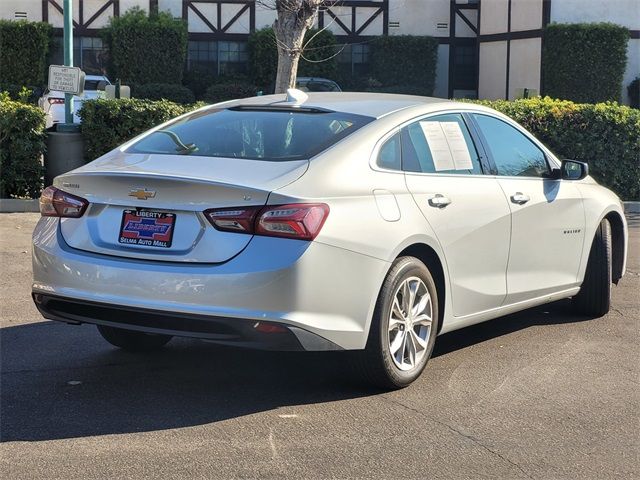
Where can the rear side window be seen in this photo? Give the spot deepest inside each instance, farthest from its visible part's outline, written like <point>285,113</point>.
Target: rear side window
<point>389,155</point>
<point>513,153</point>
<point>260,134</point>
<point>439,144</point>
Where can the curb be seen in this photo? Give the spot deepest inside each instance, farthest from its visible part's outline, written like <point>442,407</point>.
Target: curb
<point>631,207</point>
<point>18,205</point>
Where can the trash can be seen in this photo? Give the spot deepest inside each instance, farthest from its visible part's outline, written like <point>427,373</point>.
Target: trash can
<point>65,151</point>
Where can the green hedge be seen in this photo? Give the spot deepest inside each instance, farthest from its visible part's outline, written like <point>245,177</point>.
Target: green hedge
<point>107,124</point>
<point>22,143</point>
<point>584,62</point>
<point>24,47</point>
<point>405,62</point>
<point>146,49</point>
<point>164,91</point>
<point>222,92</point>
<point>319,60</point>
<point>263,57</point>
<point>606,135</point>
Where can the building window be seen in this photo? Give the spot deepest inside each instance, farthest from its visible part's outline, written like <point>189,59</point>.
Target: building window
<point>354,59</point>
<point>203,56</point>
<point>217,57</point>
<point>92,55</point>
<point>465,67</point>
<point>89,54</point>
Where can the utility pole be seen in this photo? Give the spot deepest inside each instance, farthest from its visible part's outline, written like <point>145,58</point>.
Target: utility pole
<point>68,57</point>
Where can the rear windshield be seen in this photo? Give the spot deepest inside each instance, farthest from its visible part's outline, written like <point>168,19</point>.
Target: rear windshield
<point>92,84</point>
<point>272,135</point>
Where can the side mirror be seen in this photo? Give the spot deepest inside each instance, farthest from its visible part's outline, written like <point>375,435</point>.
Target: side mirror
<point>573,170</point>
<point>102,85</point>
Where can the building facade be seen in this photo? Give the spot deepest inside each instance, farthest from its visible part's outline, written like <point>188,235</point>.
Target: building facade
<point>487,48</point>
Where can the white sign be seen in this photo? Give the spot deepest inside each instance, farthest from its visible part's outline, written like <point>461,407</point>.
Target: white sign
<point>457,145</point>
<point>448,146</point>
<point>442,158</point>
<point>66,79</point>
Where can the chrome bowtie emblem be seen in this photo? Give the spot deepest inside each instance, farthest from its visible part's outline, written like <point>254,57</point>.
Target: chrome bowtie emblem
<point>142,193</point>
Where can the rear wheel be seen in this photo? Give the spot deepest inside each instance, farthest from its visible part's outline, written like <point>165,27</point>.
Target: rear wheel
<point>133,341</point>
<point>403,328</point>
<point>594,298</point>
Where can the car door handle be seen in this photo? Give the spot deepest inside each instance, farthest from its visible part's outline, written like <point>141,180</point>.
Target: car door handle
<point>439,201</point>
<point>520,198</point>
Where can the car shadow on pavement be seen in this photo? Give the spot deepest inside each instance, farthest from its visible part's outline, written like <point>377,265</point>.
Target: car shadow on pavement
<point>60,381</point>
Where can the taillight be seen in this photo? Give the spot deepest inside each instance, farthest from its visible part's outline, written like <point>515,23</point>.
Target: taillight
<point>235,219</point>
<point>301,221</point>
<point>56,203</point>
<point>55,101</point>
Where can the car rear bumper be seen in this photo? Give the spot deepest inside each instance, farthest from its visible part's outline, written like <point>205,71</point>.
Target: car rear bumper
<point>227,331</point>
<point>324,295</point>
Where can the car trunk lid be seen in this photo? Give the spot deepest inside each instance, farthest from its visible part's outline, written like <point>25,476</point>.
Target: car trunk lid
<point>150,206</point>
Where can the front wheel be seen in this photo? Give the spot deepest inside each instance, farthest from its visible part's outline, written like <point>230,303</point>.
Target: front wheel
<point>404,326</point>
<point>594,297</point>
<point>131,340</point>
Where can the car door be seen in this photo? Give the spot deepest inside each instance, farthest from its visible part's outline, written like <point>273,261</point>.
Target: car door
<point>547,214</point>
<point>466,209</point>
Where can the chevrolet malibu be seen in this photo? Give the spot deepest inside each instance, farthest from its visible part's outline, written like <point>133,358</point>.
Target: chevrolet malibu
<point>327,221</point>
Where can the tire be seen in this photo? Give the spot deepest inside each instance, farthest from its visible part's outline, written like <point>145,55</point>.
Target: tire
<point>377,362</point>
<point>131,340</point>
<point>594,298</point>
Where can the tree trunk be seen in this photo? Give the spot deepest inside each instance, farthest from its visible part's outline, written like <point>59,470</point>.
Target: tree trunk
<point>289,28</point>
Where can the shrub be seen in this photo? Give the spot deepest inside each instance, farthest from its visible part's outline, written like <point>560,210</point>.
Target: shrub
<point>319,57</point>
<point>606,135</point>
<point>22,143</point>
<point>263,57</point>
<point>405,60</point>
<point>222,92</point>
<point>198,80</point>
<point>164,91</point>
<point>634,93</point>
<point>584,62</point>
<point>107,124</point>
<point>146,49</point>
<point>22,94</point>
<point>24,46</point>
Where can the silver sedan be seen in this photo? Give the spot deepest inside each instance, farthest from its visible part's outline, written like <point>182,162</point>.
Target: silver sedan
<point>328,221</point>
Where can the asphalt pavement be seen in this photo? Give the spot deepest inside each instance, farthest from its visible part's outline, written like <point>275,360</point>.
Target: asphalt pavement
<point>539,394</point>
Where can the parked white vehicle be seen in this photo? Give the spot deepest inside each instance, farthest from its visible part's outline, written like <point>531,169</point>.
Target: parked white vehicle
<point>352,221</point>
<point>52,102</point>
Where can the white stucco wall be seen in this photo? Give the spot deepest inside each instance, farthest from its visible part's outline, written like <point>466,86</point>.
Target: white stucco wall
<point>419,17</point>
<point>526,15</point>
<point>494,16</point>
<point>524,68</point>
<point>493,70</point>
<point>33,9</point>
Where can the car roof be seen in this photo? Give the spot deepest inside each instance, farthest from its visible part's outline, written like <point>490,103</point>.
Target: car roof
<point>314,79</point>
<point>96,77</point>
<point>374,105</point>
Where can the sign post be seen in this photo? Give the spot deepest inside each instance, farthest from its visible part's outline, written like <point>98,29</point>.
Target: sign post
<point>65,149</point>
<point>68,57</point>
